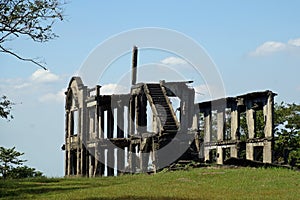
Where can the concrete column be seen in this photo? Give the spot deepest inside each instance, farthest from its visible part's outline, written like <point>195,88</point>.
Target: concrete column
<point>235,123</point>
<point>101,158</point>
<point>220,125</point>
<point>91,165</point>
<point>234,151</point>
<point>206,154</point>
<point>195,120</point>
<point>250,116</point>
<point>219,155</point>
<point>82,161</point>
<point>110,161</point>
<point>110,123</point>
<point>268,116</point>
<point>220,135</point>
<point>97,113</point>
<point>207,126</point>
<point>134,65</point>
<point>132,158</point>
<point>120,122</point>
<point>120,160</point>
<point>267,152</point>
<point>207,132</point>
<point>141,114</point>
<point>78,162</point>
<point>101,124</point>
<point>131,118</point>
<point>249,151</point>
<point>68,145</point>
<point>68,162</point>
<point>144,159</point>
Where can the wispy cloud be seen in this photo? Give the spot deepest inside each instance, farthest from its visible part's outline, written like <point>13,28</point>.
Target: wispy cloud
<point>294,42</point>
<point>271,47</point>
<point>268,48</point>
<point>43,76</point>
<point>39,85</point>
<point>57,97</point>
<point>173,61</point>
<point>109,89</point>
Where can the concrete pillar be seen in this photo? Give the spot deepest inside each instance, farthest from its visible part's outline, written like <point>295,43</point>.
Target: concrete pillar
<point>235,123</point>
<point>91,165</point>
<point>110,161</point>
<point>250,116</point>
<point>68,144</point>
<point>110,123</point>
<point>101,124</point>
<point>101,161</point>
<point>144,160</point>
<point>234,127</point>
<point>220,125</point>
<point>220,135</point>
<point>132,158</point>
<point>234,151</point>
<point>134,65</point>
<point>78,162</point>
<point>141,114</point>
<point>120,122</point>
<point>195,120</point>
<point>249,151</point>
<point>268,110</point>
<point>120,160</point>
<point>219,155</point>
<point>207,132</point>
<point>267,152</point>
<point>131,114</point>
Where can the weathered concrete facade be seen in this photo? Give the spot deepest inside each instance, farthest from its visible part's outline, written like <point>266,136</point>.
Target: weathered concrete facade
<point>112,134</point>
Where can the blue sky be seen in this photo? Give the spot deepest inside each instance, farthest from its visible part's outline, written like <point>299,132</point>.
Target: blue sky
<point>255,46</point>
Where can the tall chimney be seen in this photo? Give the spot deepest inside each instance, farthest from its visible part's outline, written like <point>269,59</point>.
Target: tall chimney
<point>134,64</point>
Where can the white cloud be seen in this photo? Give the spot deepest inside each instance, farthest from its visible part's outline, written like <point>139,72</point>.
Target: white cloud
<point>57,97</point>
<point>22,86</point>
<point>294,42</point>
<point>173,61</point>
<point>268,48</point>
<point>113,89</point>
<point>43,76</point>
<point>271,47</point>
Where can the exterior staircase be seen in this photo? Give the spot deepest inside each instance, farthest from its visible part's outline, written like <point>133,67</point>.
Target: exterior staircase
<point>162,108</point>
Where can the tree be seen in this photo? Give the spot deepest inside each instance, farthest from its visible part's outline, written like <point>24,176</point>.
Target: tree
<point>5,108</point>
<point>11,166</point>
<point>287,133</point>
<point>31,19</point>
<point>24,172</point>
<point>8,159</point>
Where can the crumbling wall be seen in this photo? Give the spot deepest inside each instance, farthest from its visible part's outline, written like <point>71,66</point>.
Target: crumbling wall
<point>108,135</point>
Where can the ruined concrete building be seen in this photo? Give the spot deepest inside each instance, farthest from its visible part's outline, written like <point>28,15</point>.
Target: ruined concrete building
<point>112,134</point>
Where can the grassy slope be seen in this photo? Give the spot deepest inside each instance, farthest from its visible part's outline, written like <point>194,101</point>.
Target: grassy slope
<point>243,183</point>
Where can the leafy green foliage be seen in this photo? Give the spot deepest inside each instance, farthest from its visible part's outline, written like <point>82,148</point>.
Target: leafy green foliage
<point>32,19</point>
<point>5,108</point>
<point>287,132</point>
<point>11,165</point>
<point>9,157</point>
<point>24,172</point>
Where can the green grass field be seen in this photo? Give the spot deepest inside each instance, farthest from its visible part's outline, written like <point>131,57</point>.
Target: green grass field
<point>201,183</point>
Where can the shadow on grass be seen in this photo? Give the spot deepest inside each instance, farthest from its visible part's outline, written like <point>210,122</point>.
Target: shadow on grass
<point>140,198</point>
<point>21,188</point>
<point>25,190</point>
